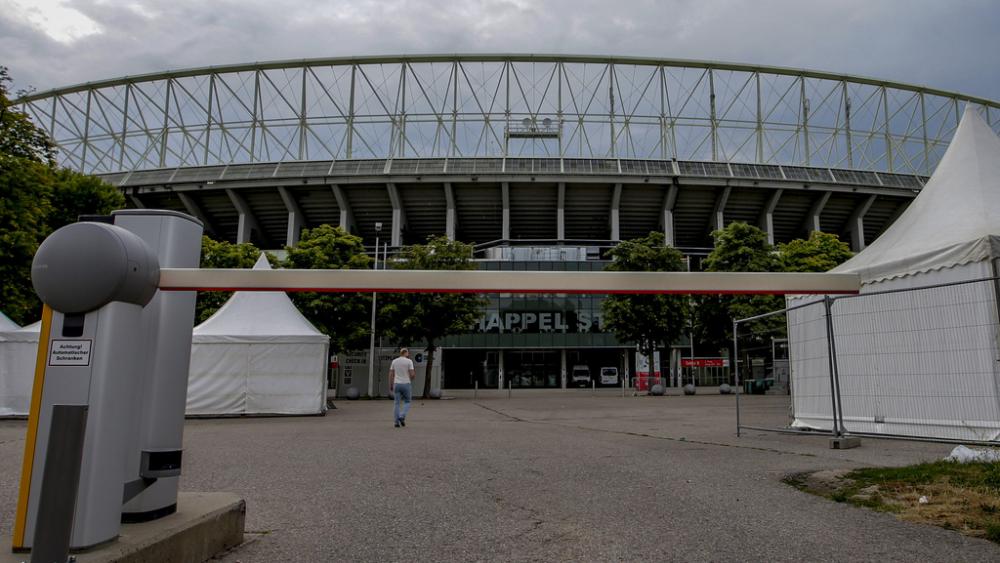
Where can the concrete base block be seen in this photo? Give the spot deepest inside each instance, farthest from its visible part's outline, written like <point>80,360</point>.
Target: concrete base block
<point>845,443</point>
<point>205,524</point>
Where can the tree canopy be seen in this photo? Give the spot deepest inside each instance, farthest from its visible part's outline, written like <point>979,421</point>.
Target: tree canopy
<point>821,252</point>
<point>19,137</point>
<point>221,254</point>
<point>37,198</point>
<point>344,317</point>
<point>651,321</point>
<point>739,247</point>
<point>428,317</point>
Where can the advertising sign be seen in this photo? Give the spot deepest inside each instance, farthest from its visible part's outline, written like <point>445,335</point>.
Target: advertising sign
<point>705,362</point>
<point>644,378</point>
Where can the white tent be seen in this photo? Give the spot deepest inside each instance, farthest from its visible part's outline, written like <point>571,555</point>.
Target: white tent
<point>917,363</point>
<point>257,355</point>
<point>18,350</point>
<point>7,324</point>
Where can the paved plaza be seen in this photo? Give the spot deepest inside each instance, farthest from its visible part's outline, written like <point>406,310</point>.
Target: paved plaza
<point>543,476</point>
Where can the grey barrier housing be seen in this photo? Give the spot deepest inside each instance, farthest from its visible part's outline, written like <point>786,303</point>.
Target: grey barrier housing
<point>166,325</point>
<point>120,349</point>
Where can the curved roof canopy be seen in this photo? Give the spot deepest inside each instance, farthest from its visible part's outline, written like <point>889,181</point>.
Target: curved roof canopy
<point>466,106</point>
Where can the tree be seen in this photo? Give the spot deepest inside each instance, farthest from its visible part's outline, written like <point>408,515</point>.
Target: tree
<point>428,317</point>
<point>37,198</point>
<point>221,254</point>
<point>76,194</point>
<point>344,317</point>
<point>25,188</point>
<point>651,321</point>
<point>19,137</point>
<point>821,252</point>
<point>738,248</point>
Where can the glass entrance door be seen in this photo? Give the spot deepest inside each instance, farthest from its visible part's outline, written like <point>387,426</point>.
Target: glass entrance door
<point>532,368</point>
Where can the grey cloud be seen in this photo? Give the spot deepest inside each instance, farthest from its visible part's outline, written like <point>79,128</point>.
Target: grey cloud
<point>946,45</point>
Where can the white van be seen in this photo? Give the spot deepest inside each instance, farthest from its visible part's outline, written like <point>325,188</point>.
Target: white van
<point>609,376</point>
<point>580,376</point>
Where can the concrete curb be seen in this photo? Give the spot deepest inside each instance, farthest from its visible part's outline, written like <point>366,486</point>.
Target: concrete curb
<point>205,524</point>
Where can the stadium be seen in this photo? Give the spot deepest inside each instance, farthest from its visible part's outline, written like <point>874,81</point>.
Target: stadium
<point>539,161</point>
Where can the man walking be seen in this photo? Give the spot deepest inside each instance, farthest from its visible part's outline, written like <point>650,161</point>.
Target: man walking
<point>401,373</point>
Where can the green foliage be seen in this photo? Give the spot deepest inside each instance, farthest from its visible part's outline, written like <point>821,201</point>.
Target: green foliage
<point>738,248</point>
<point>821,252</point>
<point>25,188</point>
<point>651,321</point>
<point>18,136</point>
<point>78,194</point>
<point>37,198</point>
<point>221,254</point>
<point>344,317</point>
<point>428,317</point>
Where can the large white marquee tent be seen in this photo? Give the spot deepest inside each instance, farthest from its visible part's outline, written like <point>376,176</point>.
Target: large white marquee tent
<point>18,350</point>
<point>917,363</point>
<point>257,355</point>
<point>7,324</point>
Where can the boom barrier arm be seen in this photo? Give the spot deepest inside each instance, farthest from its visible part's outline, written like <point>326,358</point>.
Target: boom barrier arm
<point>479,281</point>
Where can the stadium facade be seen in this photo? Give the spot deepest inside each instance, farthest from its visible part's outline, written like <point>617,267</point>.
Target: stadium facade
<point>541,162</point>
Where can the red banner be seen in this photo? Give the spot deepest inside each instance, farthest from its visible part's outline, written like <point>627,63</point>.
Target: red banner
<point>704,362</point>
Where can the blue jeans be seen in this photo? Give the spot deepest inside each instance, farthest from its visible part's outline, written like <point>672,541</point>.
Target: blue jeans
<point>404,392</point>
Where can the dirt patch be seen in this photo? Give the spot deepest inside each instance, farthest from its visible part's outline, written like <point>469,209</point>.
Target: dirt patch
<point>961,497</point>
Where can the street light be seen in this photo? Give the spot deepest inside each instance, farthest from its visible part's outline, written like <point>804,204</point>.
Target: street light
<point>371,351</point>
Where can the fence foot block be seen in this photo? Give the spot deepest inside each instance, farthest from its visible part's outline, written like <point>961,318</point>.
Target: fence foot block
<point>845,443</point>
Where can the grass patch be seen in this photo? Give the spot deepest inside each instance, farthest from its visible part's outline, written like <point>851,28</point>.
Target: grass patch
<point>962,497</point>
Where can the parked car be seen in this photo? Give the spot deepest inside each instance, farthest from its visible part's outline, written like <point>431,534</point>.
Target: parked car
<point>580,376</point>
<point>609,376</point>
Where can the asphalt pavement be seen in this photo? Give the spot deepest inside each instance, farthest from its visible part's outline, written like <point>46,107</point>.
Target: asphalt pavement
<point>543,476</point>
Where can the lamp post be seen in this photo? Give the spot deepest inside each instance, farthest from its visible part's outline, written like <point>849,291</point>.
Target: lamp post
<point>371,351</point>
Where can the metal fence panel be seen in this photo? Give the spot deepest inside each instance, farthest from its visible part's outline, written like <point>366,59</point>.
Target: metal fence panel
<point>919,362</point>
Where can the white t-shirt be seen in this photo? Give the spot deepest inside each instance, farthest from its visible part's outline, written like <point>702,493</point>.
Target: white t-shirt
<point>401,368</point>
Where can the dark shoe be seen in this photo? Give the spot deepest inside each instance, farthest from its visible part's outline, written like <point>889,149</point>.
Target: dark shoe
<point>397,424</point>
<point>402,422</point>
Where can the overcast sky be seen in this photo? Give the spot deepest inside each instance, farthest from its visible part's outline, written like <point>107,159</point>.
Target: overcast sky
<point>948,44</point>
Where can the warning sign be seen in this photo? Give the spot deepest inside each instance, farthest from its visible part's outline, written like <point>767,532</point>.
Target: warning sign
<point>70,353</point>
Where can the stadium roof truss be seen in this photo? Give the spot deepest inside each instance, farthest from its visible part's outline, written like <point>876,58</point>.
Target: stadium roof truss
<point>584,132</point>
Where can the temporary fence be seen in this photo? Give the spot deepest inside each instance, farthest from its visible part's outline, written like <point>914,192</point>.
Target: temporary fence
<point>916,363</point>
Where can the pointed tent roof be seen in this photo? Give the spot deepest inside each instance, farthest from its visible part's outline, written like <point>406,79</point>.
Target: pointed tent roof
<point>954,220</point>
<point>258,316</point>
<point>7,324</point>
<point>29,333</point>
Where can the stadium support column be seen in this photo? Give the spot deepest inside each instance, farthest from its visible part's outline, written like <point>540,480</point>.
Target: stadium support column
<point>196,211</point>
<point>346,217</point>
<point>815,212</point>
<point>616,199</point>
<point>718,220</point>
<point>667,212</point>
<point>562,370</point>
<point>767,216</point>
<point>856,224</point>
<point>451,217</point>
<point>398,217</point>
<point>561,213</point>
<point>295,216</point>
<point>505,198</point>
<point>247,221</point>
